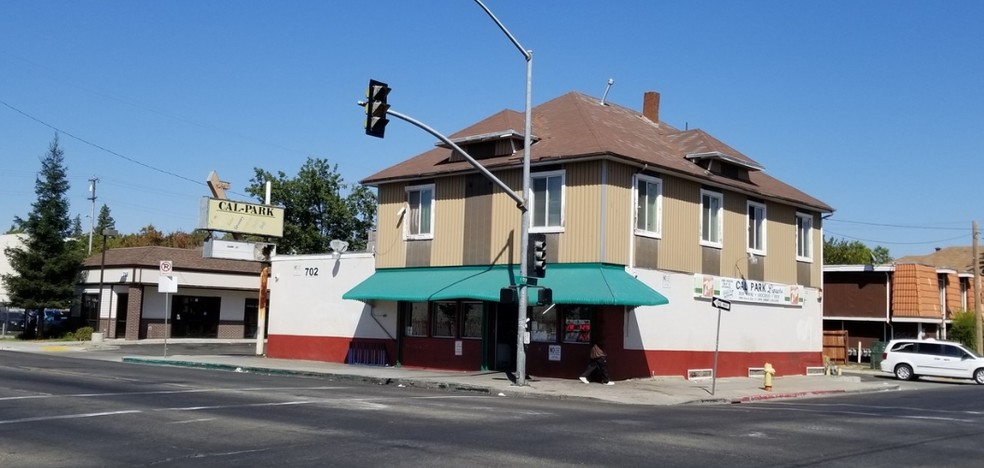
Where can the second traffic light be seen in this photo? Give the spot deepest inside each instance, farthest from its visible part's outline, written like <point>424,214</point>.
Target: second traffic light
<point>538,255</point>
<point>376,108</point>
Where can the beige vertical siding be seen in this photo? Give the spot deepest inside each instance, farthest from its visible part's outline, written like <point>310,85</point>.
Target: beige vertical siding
<point>581,240</point>
<point>619,213</point>
<point>390,246</point>
<point>506,219</point>
<point>680,248</point>
<point>734,260</point>
<point>449,217</point>
<point>780,260</point>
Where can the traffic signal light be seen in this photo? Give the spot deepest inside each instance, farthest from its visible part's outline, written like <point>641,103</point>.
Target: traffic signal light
<point>538,255</point>
<point>376,108</point>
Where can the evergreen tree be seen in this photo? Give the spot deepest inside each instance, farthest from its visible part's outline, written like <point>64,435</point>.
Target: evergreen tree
<point>104,220</point>
<point>77,232</point>
<point>46,269</point>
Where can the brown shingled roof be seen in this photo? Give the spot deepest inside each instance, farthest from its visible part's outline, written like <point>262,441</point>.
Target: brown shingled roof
<point>575,126</point>
<point>960,259</point>
<point>183,260</point>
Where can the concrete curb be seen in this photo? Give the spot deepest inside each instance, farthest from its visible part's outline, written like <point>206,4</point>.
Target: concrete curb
<point>325,375</point>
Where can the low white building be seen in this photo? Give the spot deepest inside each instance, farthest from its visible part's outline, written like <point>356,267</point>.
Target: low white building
<point>215,298</point>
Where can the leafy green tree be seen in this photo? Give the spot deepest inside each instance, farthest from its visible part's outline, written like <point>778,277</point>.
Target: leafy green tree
<point>46,269</point>
<point>844,252</point>
<point>317,208</point>
<point>963,329</point>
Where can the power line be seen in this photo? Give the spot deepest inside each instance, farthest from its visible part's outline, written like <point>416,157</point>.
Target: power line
<point>895,243</point>
<point>904,226</point>
<point>107,150</point>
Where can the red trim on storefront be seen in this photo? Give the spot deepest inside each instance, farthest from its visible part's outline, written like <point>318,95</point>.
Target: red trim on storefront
<point>439,353</point>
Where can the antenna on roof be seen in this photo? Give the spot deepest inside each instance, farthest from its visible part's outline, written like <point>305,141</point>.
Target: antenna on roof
<point>611,81</point>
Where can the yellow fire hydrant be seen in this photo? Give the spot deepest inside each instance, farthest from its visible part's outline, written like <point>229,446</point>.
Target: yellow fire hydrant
<point>768,370</point>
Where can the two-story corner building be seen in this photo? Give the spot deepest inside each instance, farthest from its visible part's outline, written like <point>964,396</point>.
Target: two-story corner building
<point>914,297</point>
<point>636,214</point>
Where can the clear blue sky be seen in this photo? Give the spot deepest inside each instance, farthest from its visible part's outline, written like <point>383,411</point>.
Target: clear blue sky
<point>875,107</point>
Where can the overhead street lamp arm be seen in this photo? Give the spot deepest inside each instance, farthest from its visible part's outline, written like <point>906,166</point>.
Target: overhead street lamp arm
<point>520,203</point>
<point>526,53</point>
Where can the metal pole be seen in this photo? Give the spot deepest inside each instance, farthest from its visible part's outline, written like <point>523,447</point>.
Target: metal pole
<point>520,202</point>
<point>717,340</point>
<point>525,222</point>
<point>977,265</point>
<point>167,313</point>
<point>261,314</point>
<point>99,301</point>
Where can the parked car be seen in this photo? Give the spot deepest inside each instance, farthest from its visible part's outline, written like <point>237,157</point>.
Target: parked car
<point>55,321</point>
<point>11,320</point>
<point>911,358</point>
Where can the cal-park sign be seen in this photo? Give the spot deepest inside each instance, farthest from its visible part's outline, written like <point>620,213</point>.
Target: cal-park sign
<point>240,217</point>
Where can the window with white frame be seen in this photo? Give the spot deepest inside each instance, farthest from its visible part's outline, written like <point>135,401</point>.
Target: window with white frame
<point>547,201</point>
<point>711,218</point>
<point>420,213</point>
<point>804,237</point>
<point>649,205</point>
<point>756,228</point>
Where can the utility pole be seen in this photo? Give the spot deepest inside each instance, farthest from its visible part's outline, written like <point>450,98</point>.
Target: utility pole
<point>92,214</point>
<point>978,264</point>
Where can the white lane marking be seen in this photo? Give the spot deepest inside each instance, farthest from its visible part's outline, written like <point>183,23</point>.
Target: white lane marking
<point>192,421</point>
<point>250,405</point>
<point>69,416</point>
<point>164,392</point>
<point>881,407</point>
<point>862,413</point>
<point>365,401</point>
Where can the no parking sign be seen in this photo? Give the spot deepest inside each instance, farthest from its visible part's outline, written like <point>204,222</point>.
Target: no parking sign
<point>165,282</point>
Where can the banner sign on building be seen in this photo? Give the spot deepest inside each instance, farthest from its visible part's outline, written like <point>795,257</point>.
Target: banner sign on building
<point>742,290</point>
<point>241,217</point>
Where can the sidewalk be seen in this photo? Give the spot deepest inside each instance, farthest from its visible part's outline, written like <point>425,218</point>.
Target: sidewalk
<point>643,391</point>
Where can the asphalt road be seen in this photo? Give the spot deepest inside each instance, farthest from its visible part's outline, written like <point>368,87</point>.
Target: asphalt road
<point>63,411</point>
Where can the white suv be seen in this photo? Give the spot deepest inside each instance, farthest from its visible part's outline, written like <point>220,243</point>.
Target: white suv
<point>911,358</point>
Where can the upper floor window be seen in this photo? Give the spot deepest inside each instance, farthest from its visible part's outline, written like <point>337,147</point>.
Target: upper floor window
<point>420,216</point>
<point>804,237</point>
<point>756,228</point>
<point>649,206</point>
<point>711,218</point>
<point>547,201</point>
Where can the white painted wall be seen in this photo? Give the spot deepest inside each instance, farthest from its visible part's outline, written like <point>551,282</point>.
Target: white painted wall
<point>690,324</point>
<point>8,240</point>
<point>306,298</point>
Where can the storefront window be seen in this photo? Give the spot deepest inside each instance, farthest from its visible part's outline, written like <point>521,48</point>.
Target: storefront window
<point>445,319</point>
<point>577,324</point>
<point>471,319</point>
<point>543,324</point>
<point>418,319</point>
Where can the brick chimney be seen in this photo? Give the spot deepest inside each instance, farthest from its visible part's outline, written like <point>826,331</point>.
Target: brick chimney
<point>650,106</point>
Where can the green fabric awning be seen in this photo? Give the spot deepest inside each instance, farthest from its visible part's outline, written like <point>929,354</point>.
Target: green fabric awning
<point>572,283</point>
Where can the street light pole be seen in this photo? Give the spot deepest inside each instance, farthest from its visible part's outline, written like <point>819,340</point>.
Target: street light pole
<point>524,242</point>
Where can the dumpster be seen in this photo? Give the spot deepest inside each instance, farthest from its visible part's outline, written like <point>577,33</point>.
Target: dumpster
<point>877,348</point>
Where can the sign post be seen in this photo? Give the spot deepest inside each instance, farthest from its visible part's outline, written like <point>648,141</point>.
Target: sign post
<point>719,304</point>
<point>167,285</point>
